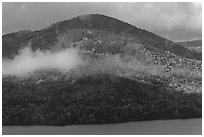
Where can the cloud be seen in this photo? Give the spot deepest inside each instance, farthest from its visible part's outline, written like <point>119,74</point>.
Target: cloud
<point>165,18</point>
<point>28,62</point>
<point>69,61</point>
<point>160,18</point>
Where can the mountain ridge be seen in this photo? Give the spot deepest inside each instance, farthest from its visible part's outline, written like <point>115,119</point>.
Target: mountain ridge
<point>191,43</point>
<point>105,23</point>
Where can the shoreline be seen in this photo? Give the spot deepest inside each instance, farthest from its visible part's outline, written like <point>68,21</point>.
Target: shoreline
<point>175,126</point>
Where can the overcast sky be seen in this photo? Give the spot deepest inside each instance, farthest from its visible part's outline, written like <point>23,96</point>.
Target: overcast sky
<point>175,21</point>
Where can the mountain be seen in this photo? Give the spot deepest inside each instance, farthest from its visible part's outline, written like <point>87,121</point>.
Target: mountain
<point>194,45</point>
<point>48,36</point>
<point>128,74</point>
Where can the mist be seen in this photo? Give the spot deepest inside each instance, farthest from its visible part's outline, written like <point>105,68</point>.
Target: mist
<point>114,65</point>
<point>28,61</point>
<point>71,61</point>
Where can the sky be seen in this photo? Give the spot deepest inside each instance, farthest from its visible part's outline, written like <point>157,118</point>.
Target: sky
<point>174,21</point>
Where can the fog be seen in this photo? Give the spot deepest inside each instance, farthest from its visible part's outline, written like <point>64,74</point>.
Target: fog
<point>28,61</point>
<point>72,61</point>
<point>115,65</point>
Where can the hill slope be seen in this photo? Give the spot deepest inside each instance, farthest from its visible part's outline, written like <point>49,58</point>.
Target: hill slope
<point>93,100</point>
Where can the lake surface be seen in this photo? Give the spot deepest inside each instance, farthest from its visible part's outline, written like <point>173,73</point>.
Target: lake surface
<point>162,127</point>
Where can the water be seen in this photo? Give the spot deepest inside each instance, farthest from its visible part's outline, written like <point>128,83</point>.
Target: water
<point>162,127</point>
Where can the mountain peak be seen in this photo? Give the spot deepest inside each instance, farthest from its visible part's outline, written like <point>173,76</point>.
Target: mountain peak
<point>108,24</point>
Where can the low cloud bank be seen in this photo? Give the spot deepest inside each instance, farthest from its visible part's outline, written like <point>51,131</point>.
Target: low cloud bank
<point>28,61</point>
<point>70,61</point>
<point>116,65</point>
